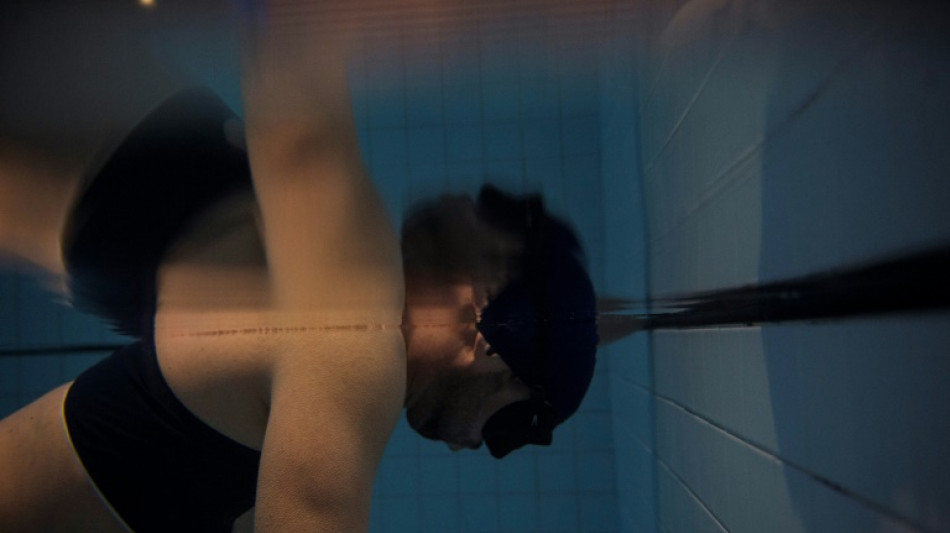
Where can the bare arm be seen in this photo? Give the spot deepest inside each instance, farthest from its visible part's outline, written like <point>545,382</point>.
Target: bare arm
<point>328,427</point>
<point>322,217</point>
<point>332,258</point>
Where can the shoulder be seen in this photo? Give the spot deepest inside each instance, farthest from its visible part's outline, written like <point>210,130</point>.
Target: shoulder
<point>335,363</point>
<point>335,399</point>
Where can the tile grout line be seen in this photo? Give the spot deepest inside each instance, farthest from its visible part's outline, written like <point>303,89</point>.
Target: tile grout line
<point>693,495</point>
<point>773,456</point>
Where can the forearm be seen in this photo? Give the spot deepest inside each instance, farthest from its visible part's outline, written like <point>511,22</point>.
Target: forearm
<point>296,96</point>
<point>328,239</point>
<point>330,419</point>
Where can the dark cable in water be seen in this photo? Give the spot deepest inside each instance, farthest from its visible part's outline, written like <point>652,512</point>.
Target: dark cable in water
<point>913,282</point>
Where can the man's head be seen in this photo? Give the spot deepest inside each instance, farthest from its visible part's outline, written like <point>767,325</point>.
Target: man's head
<point>524,350</point>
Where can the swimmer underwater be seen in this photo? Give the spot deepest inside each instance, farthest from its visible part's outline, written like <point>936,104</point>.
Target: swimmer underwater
<point>282,326</point>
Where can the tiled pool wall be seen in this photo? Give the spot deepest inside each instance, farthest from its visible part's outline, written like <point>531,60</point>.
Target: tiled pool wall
<point>780,139</point>
<point>702,144</point>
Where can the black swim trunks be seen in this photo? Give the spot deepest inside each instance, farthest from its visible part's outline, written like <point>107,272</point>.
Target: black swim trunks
<point>158,466</point>
<point>186,155</point>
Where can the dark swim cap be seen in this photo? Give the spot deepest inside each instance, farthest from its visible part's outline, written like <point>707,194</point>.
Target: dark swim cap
<point>542,324</point>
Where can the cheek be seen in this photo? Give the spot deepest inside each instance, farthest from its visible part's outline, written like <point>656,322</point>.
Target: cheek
<point>496,393</point>
<point>465,409</point>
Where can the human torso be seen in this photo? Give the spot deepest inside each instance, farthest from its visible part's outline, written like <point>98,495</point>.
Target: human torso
<point>217,336</point>
<point>212,292</point>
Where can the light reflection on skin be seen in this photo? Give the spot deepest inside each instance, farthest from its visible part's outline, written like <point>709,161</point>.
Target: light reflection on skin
<point>453,404</point>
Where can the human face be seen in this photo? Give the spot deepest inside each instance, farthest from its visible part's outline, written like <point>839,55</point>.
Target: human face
<point>455,407</point>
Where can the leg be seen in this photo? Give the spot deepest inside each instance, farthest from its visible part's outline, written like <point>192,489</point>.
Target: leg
<point>79,78</point>
<point>44,487</point>
<point>35,192</point>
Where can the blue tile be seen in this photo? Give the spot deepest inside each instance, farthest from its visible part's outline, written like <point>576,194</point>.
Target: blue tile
<point>427,146</point>
<point>579,96</point>
<point>80,328</point>
<point>565,439</point>
<point>9,376</point>
<point>40,320</point>
<point>540,100</point>
<point>377,522</point>
<point>557,472</point>
<point>387,109</point>
<point>424,179</point>
<point>558,512</point>
<point>73,365</point>
<point>439,475</point>
<point>424,106</point>
<point>480,513</point>
<point>398,475</point>
<point>582,174</point>
<point>465,175</point>
<point>680,511</point>
<point>541,170</point>
<point>542,139</point>
<point>598,394</point>
<point>389,149</point>
<point>507,173</point>
<point>501,103</point>
<point>517,474</point>
<point>499,66</point>
<point>400,513</point>
<point>432,448</point>
<point>440,513</point>
<point>392,185</point>
<point>633,363</point>
<point>595,472</point>
<point>8,321</point>
<point>477,474</point>
<point>636,488</point>
<point>503,141</point>
<point>111,337</point>
<point>463,104</point>
<point>518,513</point>
<point>404,441</point>
<point>598,513</point>
<point>40,373</point>
<point>365,140</point>
<point>581,135</point>
<point>27,397</point>
<point>594,431</point>
<point>463,142</point>
<point>8,405</point>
